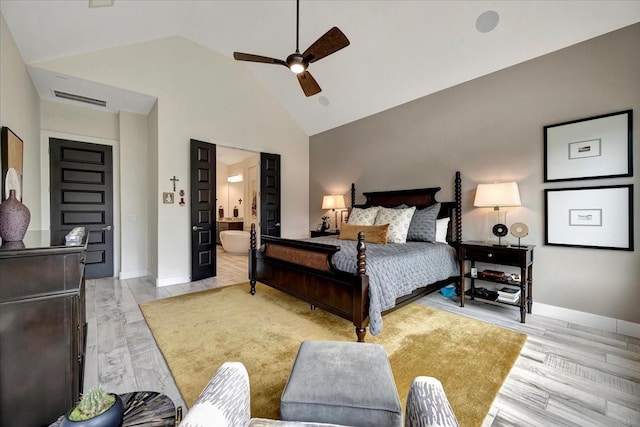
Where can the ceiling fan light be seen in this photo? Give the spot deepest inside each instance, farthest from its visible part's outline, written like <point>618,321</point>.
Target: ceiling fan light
<point>297,68</point>
<point>296,63</point>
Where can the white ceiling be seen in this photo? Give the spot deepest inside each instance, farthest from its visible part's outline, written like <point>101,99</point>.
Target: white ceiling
<point>400,50</point>
<point>231,156</point>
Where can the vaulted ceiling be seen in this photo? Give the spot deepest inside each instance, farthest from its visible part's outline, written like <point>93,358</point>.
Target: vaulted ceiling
<point>399,51</point>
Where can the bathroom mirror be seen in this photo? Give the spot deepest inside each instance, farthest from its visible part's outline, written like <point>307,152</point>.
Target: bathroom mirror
<point>236,194</point>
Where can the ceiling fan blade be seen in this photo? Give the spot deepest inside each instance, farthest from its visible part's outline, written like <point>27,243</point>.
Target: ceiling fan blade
<point>331,42</point>
<point>257,58</point>
<point>308,83</point>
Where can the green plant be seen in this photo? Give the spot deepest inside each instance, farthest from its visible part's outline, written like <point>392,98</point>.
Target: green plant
<point>93,403</point>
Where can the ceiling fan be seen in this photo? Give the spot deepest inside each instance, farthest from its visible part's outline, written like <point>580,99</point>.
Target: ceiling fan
<point>331,42</point>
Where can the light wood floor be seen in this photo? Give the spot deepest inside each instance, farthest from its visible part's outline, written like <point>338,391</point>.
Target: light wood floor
<point>566,374</point>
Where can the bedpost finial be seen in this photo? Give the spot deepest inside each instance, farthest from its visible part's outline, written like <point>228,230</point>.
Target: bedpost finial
<point>252,237</point>
<point>353,195</point>
<point>458,195</point>
<point>361,265</point>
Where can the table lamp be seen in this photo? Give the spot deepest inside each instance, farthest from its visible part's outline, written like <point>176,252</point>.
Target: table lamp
<point>496,196</point>
<point>335,203</point>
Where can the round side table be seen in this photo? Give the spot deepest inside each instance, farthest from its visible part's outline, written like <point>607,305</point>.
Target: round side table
<point>148,408</point>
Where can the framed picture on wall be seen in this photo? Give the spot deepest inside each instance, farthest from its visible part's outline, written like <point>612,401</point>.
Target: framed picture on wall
<point>595,147</point>
<point>590,217</point>
<point>11,166</point>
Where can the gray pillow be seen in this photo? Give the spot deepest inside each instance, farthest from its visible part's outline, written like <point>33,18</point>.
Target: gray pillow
<point>423,224</point>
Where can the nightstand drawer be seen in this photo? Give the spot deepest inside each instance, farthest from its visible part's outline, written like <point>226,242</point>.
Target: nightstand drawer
<point>494,256</point>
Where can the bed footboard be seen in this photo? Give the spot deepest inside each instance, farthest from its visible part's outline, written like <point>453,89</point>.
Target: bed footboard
<point>306,271</point>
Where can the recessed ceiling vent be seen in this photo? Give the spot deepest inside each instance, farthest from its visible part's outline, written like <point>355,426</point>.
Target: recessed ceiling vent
<point>100,3</point>
<point>80,98</point>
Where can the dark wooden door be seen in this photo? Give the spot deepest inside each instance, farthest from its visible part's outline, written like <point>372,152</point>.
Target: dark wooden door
<point>81,195</point>
<point>270,194</point>
<point>203,199</point>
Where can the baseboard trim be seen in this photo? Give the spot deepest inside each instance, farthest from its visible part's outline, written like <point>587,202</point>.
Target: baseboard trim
<point>167,281</point>
<point>132,274</point>
<point>588,319</point>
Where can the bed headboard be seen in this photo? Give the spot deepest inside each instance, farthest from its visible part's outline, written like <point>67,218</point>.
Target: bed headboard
<point>420,198</point>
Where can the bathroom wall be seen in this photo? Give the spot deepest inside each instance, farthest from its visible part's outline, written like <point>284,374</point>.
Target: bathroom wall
<point>222,188</point>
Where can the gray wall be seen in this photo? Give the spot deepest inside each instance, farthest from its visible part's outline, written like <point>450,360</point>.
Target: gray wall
<point>491,129</point>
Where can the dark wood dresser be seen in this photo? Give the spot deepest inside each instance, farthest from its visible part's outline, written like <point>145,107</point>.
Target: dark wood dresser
<point>42,329</point>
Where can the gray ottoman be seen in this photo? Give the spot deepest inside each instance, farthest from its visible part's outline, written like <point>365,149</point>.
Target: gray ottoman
<point>340,382</point>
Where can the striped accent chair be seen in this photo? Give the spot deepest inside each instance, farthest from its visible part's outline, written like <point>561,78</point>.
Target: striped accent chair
<point>225,402</point>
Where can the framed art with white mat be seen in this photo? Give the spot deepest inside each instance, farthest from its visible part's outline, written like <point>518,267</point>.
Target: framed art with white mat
<point>591,148</point>
<point>590,217</point>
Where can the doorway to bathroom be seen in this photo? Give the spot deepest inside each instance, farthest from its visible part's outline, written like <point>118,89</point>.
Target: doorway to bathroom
<point>237,191</point>
<point>241,188</point>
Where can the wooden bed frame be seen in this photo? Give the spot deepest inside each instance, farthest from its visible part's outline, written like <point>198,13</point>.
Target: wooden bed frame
<point>306,270</point>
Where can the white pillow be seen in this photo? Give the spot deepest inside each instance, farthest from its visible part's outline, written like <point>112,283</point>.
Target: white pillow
<point>360,216</point>
<point>441,230</point>
<point>398,220</point>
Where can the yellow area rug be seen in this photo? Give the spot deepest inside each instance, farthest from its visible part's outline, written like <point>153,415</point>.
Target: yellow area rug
<point>198,332</point>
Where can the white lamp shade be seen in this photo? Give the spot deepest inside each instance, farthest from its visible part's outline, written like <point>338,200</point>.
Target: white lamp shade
<point>495,195</point>
<point>333,202</point>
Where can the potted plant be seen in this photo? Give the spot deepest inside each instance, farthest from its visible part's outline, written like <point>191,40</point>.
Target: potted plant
<point>96,408</point>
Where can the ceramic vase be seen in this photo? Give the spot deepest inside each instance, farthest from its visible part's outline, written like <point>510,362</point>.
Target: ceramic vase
<point>14,219</point>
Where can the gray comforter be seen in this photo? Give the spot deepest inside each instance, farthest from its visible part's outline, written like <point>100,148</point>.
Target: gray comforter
<point>395,270</point>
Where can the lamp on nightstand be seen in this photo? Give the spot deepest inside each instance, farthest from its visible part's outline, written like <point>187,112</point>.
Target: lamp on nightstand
<point>496,196</point>
<point>335,203</point>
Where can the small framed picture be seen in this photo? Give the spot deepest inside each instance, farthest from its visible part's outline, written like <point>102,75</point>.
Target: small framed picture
<point>167,198</point>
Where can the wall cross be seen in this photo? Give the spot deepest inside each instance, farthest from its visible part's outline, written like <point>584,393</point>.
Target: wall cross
<point>174,179</point>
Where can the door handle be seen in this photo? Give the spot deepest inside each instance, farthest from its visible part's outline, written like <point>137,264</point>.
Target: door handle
<point>277,224</point>
<point>196,228</point>
<point>107,228</point>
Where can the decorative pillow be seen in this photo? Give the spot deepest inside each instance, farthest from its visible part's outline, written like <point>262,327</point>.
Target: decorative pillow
<point>441,230</point>
<point>363,216</point>
<point>398,220</point>
<point>372,233</point>
<point>423,224</point>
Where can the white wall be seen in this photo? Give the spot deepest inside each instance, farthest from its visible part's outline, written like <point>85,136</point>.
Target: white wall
<point>20,111</point>
<point>206,96</point>
<point>152,195</point>
<point>222,189</point>
<point>134,211</point>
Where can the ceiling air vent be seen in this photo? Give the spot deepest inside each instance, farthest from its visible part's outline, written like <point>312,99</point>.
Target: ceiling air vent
<point>80,98</point>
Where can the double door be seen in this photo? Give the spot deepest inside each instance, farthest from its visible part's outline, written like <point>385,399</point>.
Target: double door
<point>203,208</point>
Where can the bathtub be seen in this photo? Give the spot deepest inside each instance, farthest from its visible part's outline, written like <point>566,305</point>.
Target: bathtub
<point>235,241</point>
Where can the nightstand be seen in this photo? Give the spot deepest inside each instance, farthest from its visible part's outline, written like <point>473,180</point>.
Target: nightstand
<point>318,233</point>
<point>515,256</point>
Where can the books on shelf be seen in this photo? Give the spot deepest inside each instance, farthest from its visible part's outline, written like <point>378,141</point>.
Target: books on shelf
<point>510,295</point>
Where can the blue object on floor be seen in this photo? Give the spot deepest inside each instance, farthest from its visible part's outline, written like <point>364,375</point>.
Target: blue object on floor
<point>448,291</point>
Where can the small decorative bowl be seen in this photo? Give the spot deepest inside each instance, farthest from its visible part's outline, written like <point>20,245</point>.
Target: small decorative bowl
<point>448,291</point>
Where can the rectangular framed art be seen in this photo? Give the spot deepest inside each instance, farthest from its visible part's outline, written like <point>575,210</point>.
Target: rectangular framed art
<point>590,217</point>
<point>11,157</point>
<point>591,148</point>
